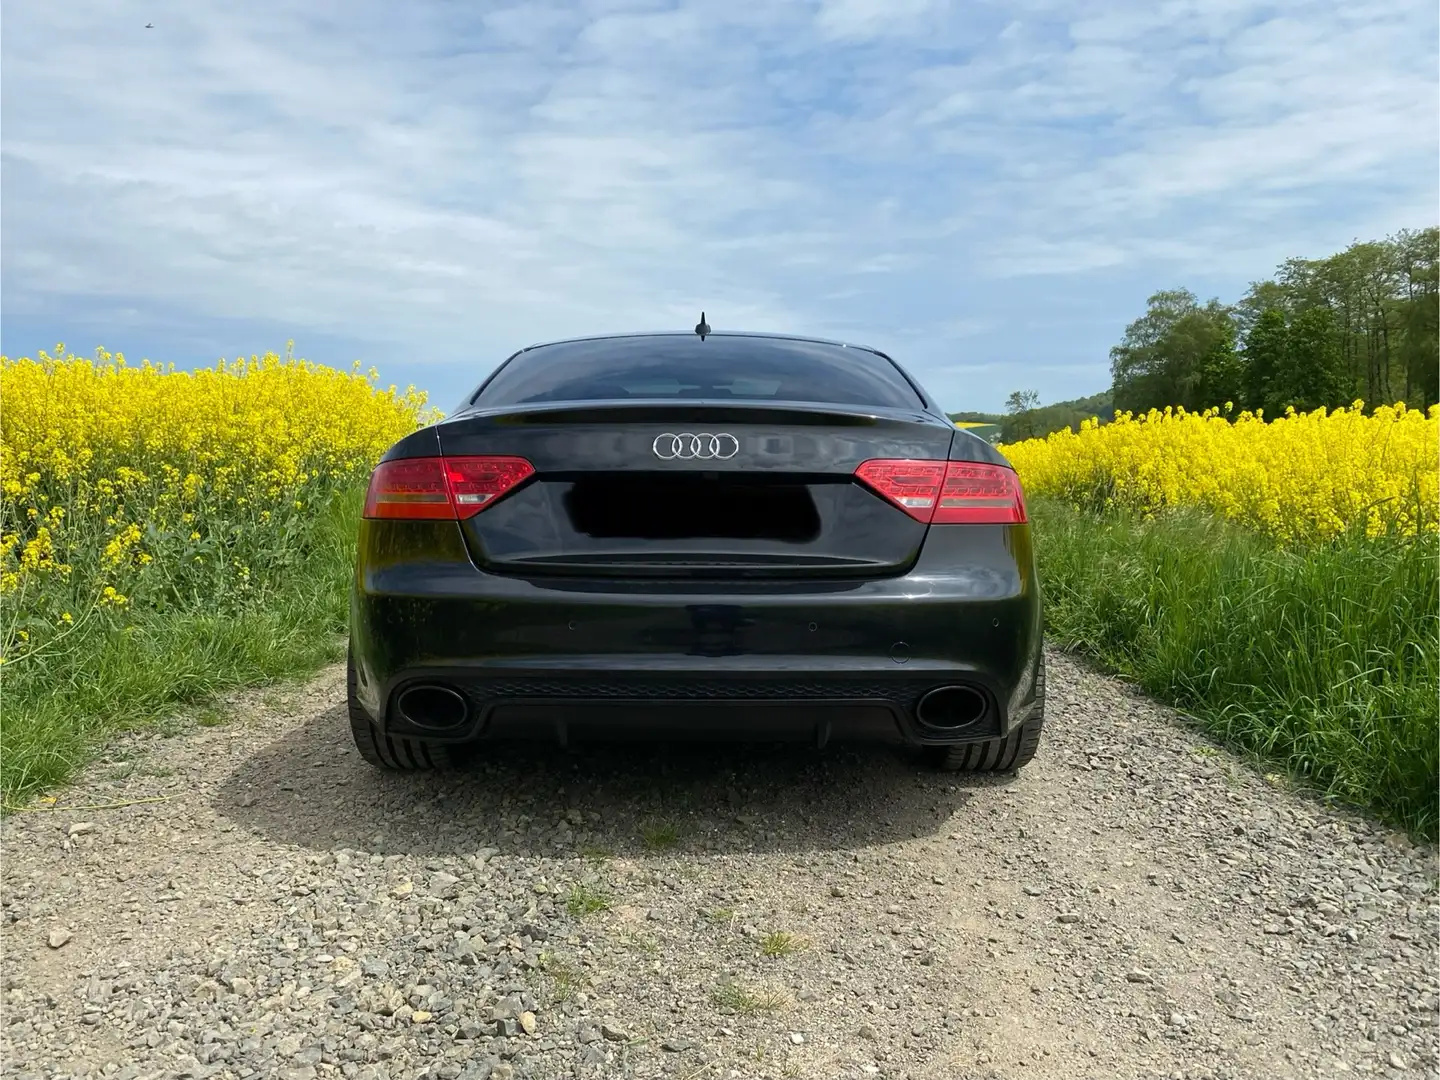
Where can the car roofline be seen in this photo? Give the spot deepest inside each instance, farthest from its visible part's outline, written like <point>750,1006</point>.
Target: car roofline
<point>759,335</point>
<point>927,403</point>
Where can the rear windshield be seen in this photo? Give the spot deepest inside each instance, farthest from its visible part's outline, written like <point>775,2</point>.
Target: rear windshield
<point>685,368</point>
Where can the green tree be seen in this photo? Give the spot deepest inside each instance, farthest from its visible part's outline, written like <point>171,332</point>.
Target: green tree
<point>1371,279</point>
<point>1220,371</point>
<point>1370,289</point>
<point>1177,353</point>
<point>1037,422</point>
<point>1312,370</point>
<point>1261,297</point>
<point>1418,315</point>
<point>1265,350</point>
<point>1019,420</point>
<point>1362,322</point>
<point>1021,401</point>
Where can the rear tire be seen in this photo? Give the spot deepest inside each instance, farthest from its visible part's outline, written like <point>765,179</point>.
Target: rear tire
<point>389,752</point>
<point>1011,753</point>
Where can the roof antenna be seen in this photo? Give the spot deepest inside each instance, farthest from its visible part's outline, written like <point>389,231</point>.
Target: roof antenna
<point>702,327</point>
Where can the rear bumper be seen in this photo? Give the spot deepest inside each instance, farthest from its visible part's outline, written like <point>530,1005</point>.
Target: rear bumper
<point>816,661</point>
<point>763,704</point>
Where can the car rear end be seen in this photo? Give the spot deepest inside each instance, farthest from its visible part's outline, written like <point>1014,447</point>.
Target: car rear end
<point>666,537</point>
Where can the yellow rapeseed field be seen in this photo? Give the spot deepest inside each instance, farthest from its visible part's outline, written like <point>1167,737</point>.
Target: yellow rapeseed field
<point>104,465</point>
<point>1299,478</point>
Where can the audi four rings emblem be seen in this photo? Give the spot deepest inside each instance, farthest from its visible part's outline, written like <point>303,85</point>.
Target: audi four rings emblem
<point>688,446</point>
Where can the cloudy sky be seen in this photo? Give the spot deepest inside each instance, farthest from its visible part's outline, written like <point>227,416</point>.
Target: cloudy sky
<point>987,190</point>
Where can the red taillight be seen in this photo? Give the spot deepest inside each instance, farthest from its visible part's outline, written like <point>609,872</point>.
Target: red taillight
<point>983,494</point>
<point>948,492</point>
<point>476,482</point>
<point>910,485</point>
<point>441,488</point>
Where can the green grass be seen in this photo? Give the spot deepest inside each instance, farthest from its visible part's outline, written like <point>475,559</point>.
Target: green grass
<point>748,1001</point>
<point>778,943</point>
<point>1322,660</point>
<point>660,837</point>
<point>565,977</point>
<point>639,942</point>
<point>142,669</point>
<point>210,716</point>
<point>585,900</point>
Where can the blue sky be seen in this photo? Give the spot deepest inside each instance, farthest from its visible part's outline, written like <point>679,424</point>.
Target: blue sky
<point>988,191</point>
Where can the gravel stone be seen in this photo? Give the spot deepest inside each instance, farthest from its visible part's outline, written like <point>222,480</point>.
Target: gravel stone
<point>291,913</point>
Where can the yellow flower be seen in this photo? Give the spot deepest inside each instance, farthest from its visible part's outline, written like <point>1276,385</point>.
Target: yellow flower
<point>97,453</point>
<point>1302,478</point>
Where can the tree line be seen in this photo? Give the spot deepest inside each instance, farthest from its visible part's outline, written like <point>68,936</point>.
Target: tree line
<point>1026,418</point>
<point>1321,332</point>
<point>1363,323</point>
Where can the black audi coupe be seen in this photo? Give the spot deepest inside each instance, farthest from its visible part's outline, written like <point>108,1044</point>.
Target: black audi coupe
<point>712,535</point>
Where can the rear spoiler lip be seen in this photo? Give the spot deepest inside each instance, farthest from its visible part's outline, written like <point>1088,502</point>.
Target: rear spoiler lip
<point>641,411</point>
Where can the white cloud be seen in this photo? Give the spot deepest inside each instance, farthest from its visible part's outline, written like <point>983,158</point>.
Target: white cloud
<point>436,182</point>
<point>869,19</point>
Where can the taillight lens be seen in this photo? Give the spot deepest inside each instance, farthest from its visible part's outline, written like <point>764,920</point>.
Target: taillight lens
<point>476,482</point>
<point>948,492</point>
<point>910,485</point>
<point>441,488</point>
<point>980,494</point>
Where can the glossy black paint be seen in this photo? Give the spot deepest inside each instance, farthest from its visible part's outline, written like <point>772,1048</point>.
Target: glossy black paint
<point>818,449</point>
<point>548,631</point>
<point>968,611</point>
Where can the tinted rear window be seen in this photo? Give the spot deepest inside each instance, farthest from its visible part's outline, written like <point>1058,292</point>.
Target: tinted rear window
<point>684,368</point>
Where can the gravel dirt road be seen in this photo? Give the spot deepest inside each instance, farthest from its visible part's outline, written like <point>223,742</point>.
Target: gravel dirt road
<point>1135,904</point>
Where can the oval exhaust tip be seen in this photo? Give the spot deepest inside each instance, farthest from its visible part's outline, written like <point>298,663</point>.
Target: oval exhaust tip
<point>951,707</point>
<point>436,707</point>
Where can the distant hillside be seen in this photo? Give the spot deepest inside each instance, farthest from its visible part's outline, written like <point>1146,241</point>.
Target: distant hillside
<point>1047,419</point>
<point>977,417</point>
<point>1039,422</point>
<point>989,432</point>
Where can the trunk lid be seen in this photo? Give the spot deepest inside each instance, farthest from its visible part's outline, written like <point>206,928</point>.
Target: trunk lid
<point>695,490</point>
